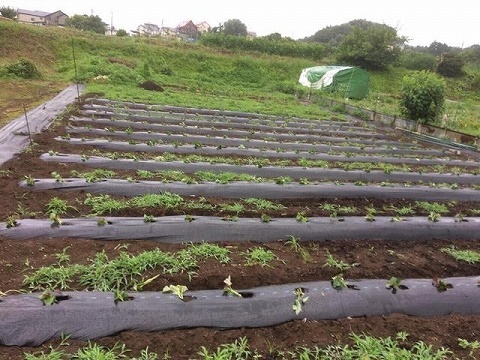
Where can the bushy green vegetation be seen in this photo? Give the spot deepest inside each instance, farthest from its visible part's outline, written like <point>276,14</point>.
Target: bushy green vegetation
<point>231,73</point>
<point>423,96</point>
<point>281,47</point>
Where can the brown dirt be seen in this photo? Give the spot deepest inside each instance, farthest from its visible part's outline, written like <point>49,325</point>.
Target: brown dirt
<point>376,259</point>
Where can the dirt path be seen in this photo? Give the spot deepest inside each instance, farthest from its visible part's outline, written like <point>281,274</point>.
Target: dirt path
<point>14,136</point>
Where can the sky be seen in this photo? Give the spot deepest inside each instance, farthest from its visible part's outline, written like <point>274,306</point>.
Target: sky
<point>455,23</point>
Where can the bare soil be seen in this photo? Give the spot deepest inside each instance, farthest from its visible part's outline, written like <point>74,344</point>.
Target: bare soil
<point>376,259</point>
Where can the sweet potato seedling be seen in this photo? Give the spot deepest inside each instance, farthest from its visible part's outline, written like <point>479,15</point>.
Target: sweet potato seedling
<point>228,290</point>
<point>394,284</point>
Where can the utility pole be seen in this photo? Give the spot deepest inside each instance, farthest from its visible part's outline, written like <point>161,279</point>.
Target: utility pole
<point>111,24</point>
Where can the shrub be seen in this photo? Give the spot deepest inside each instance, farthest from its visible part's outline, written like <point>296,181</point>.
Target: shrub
<point>451,65</point>
<point>23,69</point>
<point>422,96</point>
<point>418,61</point>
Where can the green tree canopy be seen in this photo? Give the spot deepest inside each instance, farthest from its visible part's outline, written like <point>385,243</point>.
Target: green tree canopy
<point>8,12</point>
<point>334,35</point>
<point>423,96</point>
<point>436,48</point>
<point>450,65</point>
<point>122,32</point>
<point>88,23</point>
<point>371,47</point>
<point>234,27</point>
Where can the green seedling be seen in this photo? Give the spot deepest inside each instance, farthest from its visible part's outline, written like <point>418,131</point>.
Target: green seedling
<point>148,218</point>
<point>301,217</point>
<point>339,264</point>
<point>339,283</point>
<point>228,290</point>
<point>29,180</point>
<point>178,290</point>
<point>265,218</point>
<point>295,246</point>
<point>120,295</point>
<point>300,300</point>
<point>441,285</point>
<point>12,221</point>
<point>138,286</point>
<point>102,222</point>
<point>472,345</point>
<point>58,178</point>
<point>434,216</point>
<point>394,284</point>
<point>50,297</point>
<point>55,219</point>
<point>189,218</point>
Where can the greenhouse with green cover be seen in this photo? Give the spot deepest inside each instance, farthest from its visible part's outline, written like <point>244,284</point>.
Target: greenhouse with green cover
<point>351,82</point>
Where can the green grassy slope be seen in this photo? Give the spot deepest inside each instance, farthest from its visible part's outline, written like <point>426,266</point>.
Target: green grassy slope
<point>190,75</point>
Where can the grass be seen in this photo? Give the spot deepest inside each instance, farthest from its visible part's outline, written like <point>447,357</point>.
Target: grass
<point>191,74</point>
<point>362,347</point>
<point>468,256</point>
<point>259,256</point>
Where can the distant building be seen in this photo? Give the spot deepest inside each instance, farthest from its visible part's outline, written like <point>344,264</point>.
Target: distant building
<point>188,30</point>
<point>169,33</point>
<point>148,29</point>
<point>203,27</point>
<point>42,18</point>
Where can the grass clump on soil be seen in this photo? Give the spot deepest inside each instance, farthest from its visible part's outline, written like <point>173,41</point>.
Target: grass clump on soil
<point>362,347</point>
<point>468,256</point>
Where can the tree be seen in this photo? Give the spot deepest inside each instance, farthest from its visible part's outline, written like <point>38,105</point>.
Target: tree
<point>450,65</point>
<point>422,96</point>
<point>87,23</point>
<point>234,27</point>
<point>122,32</point>
<point>8,12</point>
<point>371,47</point>
<point>273,36</point>
<point>414,60</point>
<point>333,35</point>
<point>436,48</point>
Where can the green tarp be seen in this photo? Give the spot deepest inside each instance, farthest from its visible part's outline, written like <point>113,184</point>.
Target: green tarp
<point>350,82</point>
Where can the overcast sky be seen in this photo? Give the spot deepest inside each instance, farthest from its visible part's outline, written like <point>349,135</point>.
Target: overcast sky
<point>456,23</point>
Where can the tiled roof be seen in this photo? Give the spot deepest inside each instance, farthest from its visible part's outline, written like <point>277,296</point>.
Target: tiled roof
<point>33,12</point>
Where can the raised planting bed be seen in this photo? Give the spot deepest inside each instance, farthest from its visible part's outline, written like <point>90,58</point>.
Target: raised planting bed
<point>245,189</point>
<point>181,229</point>
<point>315,235</point>
<point>294,172</point>
<point>124,146</point>
<point>26,320</point>
<point>259,144</point>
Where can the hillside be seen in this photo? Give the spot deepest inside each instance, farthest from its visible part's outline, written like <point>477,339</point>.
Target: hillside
<point>189,75</point>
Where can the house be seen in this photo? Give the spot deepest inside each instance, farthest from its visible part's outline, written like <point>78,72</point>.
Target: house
<point>188,30</point>
<point>43,18</point>
<point>148,29</point>
<point>203,27</point>
<point>169,33</point>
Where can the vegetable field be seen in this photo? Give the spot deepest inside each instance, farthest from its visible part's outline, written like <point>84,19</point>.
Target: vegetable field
<point>179,228</point>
